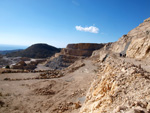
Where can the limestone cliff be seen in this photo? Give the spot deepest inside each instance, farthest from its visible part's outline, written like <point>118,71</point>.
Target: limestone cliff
<point>140,47</point>
<point>121,45</point>
<point>136,44</point>
<point>122,85</point>
<point>81,49</point>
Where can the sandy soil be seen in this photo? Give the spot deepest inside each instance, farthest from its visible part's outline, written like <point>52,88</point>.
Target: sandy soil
<point>58,95</point>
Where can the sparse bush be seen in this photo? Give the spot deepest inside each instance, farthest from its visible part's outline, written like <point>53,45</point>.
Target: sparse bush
<point>7,67</point>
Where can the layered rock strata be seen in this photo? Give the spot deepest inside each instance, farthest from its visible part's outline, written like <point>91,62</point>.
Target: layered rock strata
<point>72,53</point>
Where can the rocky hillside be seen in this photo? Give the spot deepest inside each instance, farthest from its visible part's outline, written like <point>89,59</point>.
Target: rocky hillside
<point>36,51</point>
<point>140,44</point>
<point>72,53</point>
<point>123,83</point>
<point>136,44</point>
<point>119,87</point>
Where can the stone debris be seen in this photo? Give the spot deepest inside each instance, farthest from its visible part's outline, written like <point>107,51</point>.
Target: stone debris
<point>50,74</point>
<point>65,106</point>
<point>44,91</point>
<point>118,83</point>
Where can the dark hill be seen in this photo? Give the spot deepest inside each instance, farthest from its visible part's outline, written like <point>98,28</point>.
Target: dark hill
<point>36,51</point>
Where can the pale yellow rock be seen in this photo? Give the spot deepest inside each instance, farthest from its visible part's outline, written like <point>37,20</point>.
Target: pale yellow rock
<point>139,48</point>
<point>136,44</point>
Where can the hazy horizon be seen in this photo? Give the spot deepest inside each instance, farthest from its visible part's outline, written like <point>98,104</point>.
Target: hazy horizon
<point>4,47</point>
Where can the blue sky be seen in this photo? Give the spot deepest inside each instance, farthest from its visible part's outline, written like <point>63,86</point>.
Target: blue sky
<point>59,22</point>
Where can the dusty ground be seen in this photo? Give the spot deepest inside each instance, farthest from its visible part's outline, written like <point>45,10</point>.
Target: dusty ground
<point>58,95</point>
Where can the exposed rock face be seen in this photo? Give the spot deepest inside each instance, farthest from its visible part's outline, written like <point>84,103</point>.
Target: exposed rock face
<point>136,44</point>
<point>147,20</point>
<point>140,44</point>
<point>119,87</point>
<point>81,49</point>
<point>140,47</point>
<point>76,52</point>
<point>121,44</point>
<point>139,31</point>
<point>62,61</point>
<point>5,61</point>
<point>72,53</point>
<point>27,66</point>
<point>85,46</point>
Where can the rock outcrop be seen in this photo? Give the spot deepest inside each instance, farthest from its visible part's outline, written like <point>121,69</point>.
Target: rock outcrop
<point>81,49</point>
<point>121,44</point>
<point>136,44</point>
<point>72,53</point>
<point>120,87</point>
<point>140,47</point>
<point>27,66</point>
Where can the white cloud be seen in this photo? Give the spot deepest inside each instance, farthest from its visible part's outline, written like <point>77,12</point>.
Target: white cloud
<point>91,29</point>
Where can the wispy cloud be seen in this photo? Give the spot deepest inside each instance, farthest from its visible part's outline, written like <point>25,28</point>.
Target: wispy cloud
<point>91,29</point>
<point>75,2</point>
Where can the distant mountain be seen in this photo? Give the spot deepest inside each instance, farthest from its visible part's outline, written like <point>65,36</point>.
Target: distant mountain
<point>36,51</point>
<point>9,51</point>
<point>4,47</point>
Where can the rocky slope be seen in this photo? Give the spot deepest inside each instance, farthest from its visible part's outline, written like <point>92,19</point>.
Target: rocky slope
<point>136,44</point>
<point>72,53</point>
<point>119,87</point>
<point>122,84</point>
